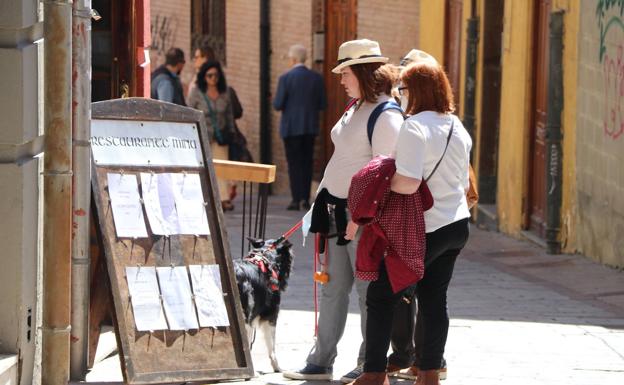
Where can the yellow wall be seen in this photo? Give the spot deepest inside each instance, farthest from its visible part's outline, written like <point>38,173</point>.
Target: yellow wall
<point>432,28</point>
<point>515,113</point>
<point>569,214</point>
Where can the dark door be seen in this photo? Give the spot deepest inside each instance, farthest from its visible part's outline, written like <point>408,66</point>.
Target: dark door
<point>340,26</point>
<point>452,46</point>
<point>112,45</point>
<point>490,100</point>
<point>537,176</point>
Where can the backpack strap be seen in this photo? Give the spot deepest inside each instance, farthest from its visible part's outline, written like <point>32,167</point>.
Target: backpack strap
<point>372,119</point>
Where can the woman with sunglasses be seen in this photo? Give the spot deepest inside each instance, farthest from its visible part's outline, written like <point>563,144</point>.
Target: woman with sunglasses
<point>211,96</point>
<point>368,81</point>
<point>433,145</point>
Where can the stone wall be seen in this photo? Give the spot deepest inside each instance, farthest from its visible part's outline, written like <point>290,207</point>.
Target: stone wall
<point>600,134</point>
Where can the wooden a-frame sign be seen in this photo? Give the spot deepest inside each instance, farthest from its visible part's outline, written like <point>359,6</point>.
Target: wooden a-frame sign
<point>166,356</point>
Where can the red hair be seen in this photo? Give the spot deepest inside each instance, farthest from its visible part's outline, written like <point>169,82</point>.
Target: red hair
<point>429,88</point>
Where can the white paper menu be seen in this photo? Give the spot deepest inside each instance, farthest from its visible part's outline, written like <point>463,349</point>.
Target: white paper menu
<point>189,201</point>
<point>206,280</point>
<point>159,203</point>
<point>145,298</point>
<point>126,204</point>
<point>177,298</point>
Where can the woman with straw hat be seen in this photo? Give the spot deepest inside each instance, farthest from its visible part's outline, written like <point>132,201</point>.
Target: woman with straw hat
<point>369,82</point>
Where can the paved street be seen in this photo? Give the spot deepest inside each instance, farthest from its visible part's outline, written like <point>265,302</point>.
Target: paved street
<point>519,316</point>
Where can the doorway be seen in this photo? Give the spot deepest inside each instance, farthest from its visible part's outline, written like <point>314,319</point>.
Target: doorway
<point>452,45</point>
<point>112,50</point>
<point>536,208</point>
<point>489,117</point>
<point>340,26</point>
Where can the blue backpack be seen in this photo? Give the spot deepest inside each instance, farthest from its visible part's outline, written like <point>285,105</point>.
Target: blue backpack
<point>372,119</point>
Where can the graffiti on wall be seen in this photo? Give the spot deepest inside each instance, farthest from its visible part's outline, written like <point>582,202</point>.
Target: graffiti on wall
<point>163,30</point>
<point>612,60</point>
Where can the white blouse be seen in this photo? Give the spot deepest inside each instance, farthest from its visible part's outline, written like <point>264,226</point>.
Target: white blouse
<point>352,150</point>
<point>420,146</point>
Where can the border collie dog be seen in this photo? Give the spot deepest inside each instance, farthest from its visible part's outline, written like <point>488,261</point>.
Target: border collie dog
<point>261,277</point>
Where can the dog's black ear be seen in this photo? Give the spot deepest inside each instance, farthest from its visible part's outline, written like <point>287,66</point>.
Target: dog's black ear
<point>285,245</point>
<point>256,242</point>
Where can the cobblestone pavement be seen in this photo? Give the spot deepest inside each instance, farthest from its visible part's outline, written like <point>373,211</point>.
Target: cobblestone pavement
<point>518,315</point>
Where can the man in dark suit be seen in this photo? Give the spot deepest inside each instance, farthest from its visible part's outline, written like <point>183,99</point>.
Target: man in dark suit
<point>300,96</point>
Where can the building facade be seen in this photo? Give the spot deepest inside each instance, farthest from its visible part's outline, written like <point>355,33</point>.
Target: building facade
<point>540,90</point>
<point>321,26</point>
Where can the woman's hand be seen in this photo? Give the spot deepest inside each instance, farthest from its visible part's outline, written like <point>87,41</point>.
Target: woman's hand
<point>352,228</point>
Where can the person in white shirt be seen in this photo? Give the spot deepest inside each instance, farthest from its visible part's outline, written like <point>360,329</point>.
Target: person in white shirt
<point>369,82</point>
<point>433,145</point>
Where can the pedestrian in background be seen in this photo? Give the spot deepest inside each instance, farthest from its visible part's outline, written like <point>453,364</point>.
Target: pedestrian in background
<point>211,97</point>
<point>237,149</point>
<point>166,84</point>
<point>433,145</point>
<point>300,96</point>
<point>367,80</point>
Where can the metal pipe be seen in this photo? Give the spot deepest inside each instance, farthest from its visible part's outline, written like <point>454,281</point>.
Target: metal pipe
<point>57,187</point>
<point>472,47</point>
<point>265,81</point>
<point>81,194</point>
<point>553,133</point>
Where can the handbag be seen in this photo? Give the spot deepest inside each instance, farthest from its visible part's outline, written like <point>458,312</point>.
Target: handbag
<point>425,193</point>
<point>238,150</point>
<point>472,195</point>
<point>223,137</point>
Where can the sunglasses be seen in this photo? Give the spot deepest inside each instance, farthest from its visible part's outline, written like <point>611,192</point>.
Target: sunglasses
<point>402,90</point>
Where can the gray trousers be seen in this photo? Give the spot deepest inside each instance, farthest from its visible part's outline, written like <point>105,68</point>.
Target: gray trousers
<point>334,303</point>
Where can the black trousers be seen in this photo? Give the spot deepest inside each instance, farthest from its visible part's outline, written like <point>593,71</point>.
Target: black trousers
<point>299,155</point>
<point>443,247</point>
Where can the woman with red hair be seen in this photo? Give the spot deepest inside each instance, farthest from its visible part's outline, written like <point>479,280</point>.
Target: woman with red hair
<point>434,146</point>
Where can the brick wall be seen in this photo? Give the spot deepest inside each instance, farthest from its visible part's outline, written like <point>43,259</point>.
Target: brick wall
<point>171,27</point>
<point>600,137</point>
<point>243,65</point>
<point>394,24</point>
<point>291,23</point>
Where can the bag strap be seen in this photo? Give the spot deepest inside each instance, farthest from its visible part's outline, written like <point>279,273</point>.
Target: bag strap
<point>448,139</point>
<point>213,116</point>
<point>372,119</point>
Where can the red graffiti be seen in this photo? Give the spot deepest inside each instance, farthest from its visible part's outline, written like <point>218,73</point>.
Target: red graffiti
<point>80,212</point>
<point>613,72</point>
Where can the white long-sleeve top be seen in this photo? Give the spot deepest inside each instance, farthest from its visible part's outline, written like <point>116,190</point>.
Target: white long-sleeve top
<point>352,150</point>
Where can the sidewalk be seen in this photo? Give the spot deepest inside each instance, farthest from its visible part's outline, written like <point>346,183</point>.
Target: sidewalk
<point>518,315</point>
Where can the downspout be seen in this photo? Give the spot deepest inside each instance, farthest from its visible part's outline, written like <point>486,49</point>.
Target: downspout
<point>265,82</point>
<point>81,194</point>
<point>553,134</point>
<point>472,47</point>
<point>57,189</point>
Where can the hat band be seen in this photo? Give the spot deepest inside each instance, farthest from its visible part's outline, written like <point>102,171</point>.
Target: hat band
<point>350,58</point>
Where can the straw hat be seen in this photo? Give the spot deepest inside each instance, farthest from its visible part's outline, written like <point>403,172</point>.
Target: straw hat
<point>415,56</point>
<point>358,52</point>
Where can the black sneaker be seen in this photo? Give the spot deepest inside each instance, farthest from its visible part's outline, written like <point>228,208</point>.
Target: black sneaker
<point>293,206</point>
<point>310,372</point>
<point>352,375</point>
<point>305,205</point>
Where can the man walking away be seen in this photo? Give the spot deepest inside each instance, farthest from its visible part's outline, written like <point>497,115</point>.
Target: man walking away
<point>300,96</point>
<point>166,84</point>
